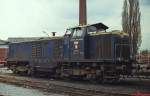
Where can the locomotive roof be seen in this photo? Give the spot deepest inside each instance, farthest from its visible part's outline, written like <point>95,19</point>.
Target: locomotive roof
<point>39,39</point>
<point>110,33</point>
<point>97,25</point>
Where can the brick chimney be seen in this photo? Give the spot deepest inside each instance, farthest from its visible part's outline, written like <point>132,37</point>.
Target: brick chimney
<point>82,12</point>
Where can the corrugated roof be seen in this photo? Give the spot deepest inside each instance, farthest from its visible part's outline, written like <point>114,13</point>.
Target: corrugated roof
<point>2,42</point>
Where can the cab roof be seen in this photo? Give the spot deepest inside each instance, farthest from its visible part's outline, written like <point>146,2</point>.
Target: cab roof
<point>97,25</point>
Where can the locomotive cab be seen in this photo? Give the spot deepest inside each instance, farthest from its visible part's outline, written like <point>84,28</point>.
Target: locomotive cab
<point>89,49</point>
<point>76,40</point>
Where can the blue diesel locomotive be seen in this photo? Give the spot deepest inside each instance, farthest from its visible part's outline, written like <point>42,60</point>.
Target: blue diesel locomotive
<point>86,52</point>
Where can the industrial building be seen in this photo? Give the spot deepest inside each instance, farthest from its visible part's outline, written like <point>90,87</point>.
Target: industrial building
<point>3,52</point>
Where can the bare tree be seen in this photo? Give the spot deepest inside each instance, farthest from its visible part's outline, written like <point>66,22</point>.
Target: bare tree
<point>131,23</point>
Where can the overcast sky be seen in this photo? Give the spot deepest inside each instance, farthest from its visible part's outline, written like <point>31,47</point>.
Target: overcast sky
<point>28,18</point>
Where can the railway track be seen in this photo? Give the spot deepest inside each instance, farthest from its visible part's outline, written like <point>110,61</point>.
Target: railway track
<point>55,88</point>
<point>70,88</point>
<point>83,92</point>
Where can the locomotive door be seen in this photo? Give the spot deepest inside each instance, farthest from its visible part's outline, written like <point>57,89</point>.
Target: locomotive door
<point>66,44</point>
<point>122,52</point>
<point>78,43</point>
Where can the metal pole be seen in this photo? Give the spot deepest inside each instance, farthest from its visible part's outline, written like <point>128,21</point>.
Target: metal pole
<point>148,57</point>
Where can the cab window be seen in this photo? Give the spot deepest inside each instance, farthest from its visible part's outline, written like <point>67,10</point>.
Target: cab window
<point>77,32</point>
<point>91,29</point>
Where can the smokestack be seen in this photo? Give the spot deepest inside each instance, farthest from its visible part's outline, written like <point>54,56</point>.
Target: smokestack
<point>53,34</point>
<point>82,12</point>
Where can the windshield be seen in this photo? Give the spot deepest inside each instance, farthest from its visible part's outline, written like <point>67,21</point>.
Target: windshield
<point>91,29</point>
<point>68,31</point>
<point>77,32</point>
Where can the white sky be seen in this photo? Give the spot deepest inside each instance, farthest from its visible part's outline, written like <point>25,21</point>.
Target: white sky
<point>28,18</point>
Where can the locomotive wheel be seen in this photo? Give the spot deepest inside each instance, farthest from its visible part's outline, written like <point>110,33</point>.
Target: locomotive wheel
<point>57,73</point>
<point>15,71</point>
<point>100,78</point>
<point>31,72</point>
